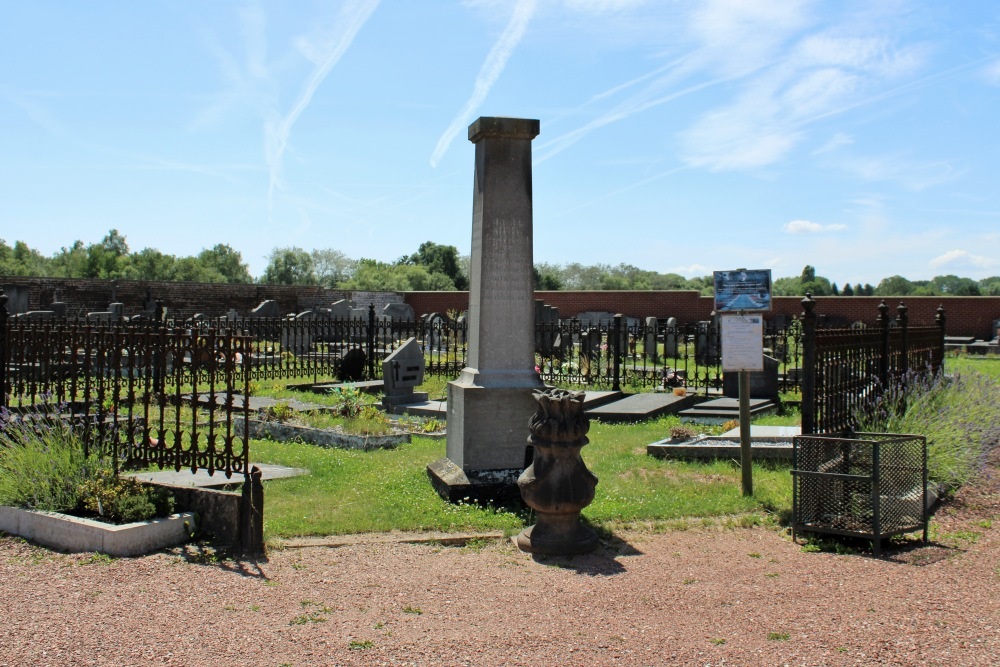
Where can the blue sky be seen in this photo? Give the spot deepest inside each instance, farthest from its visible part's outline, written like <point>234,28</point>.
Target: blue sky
<point>859,137</point>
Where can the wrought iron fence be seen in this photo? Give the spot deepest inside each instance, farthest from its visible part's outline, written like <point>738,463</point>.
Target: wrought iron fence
<point>614,354</point>
<point>145,394</point>
<point>848,370</point>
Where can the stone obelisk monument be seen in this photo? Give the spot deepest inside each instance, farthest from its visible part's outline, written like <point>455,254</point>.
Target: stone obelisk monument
<point>490,403</point>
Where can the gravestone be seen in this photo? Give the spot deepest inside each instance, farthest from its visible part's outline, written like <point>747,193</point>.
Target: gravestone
<point>590,351</point>
<point>763,384</point>
<point>398,312</point>
<point>341,310</point>
<point>297,337</point>
<point>352,366</point>
<point>402,371</point>
<point>706,343</point>
<point>491,401</point>
<point>36,316</point>
<point>117,310</point>
<point>267,308</point>
<point>17,298</point>
<point>546,324</point>
<point>650,340</point>
<point>996,331</point>
<point>58,306</point>
<point>436,329</point>
<point>670,337</point>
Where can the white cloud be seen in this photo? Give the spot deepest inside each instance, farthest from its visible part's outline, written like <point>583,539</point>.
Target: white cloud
<point>324,51</point>
<point>491,70</point>
<point>963,258</point>
<point>603,6</point>
<point>691,271</point>
<point>809,227</point>
<point>833,143</point>
<point>904,170</point>
<point>991,73</point>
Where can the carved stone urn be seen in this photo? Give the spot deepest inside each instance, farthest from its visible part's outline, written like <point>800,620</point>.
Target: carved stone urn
<point>557,484</point>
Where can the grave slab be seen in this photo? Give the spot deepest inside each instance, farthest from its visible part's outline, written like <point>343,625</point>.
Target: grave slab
<point>202,479</point>
<point>436,409</point>
<point>595,399</point>
<point>725,409</point>
<point>640,407</point>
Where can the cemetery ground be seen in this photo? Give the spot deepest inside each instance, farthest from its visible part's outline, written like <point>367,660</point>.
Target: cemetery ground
<point>689,572</point>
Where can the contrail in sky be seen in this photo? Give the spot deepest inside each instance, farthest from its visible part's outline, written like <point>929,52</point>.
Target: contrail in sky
<point>276,133</point>
<point>492,67</point>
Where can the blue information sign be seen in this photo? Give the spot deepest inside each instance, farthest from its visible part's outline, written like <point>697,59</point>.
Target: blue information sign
<point>743,290</point>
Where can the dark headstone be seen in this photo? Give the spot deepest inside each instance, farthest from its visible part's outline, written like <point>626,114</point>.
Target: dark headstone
<point>352,366</point>
<point>763,384</point>
<point>267,308</point>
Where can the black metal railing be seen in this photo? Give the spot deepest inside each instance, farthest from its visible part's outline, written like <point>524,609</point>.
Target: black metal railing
<point>847,371</point>
<point>617,353</point>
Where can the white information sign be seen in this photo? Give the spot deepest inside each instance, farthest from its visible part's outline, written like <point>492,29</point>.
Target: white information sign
<point>742,343</point>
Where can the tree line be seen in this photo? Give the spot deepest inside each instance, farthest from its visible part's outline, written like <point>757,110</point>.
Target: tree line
<point>433,267</point>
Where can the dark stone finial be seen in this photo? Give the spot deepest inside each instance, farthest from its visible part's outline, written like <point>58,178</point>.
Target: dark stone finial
<point>901,312</point>
<point>939,315</point>
<point>557,484</point>
<point>808,303</point>
<point>883,310</point>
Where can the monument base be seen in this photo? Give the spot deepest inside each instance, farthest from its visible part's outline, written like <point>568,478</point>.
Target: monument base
<point>560,536</point>
<point>481,486</point>
<point>390,402</point>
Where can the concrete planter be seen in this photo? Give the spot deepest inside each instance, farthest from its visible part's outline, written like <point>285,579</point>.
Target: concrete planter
<point>321,437</point>
<point>74,534</point>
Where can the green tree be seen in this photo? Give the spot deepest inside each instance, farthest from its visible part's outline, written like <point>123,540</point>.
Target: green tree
<point>990,286</point>
<point>289,266</point>
<point>894,286</point>
<point>109,258</point>
<point>332,267</point>
<point>848,290</point>
<point>371,274</point>
<point>441,259</point>
<point>151,264</point>
<point>952,285</point>
<point>545,279</point>
<point>224,262</point>
<point>70,262</point>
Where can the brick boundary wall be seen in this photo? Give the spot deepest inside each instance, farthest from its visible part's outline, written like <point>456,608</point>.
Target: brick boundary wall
<point>965,315</point>
<point>182,299</point>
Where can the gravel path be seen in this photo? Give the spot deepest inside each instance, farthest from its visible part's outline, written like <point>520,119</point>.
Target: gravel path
<point>698,597</point>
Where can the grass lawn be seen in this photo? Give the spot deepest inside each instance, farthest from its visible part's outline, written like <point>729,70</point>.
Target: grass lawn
<point>352,492</point>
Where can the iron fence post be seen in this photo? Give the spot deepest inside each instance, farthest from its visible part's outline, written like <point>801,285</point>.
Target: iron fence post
<point>3,348</point>
<point>883,364</point>
<point>808,365</point>
<point>371,341</point>
<point>251,514</point>
<point>939,319</point>
<point>616,350</point>
<point>903,320</point>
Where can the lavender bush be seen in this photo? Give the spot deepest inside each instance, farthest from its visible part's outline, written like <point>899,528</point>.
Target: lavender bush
<point>958,415</point>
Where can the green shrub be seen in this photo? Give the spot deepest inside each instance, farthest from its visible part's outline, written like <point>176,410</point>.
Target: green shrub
<point>957,415</point>
<point>122,499</point>
<point>42,465</point>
